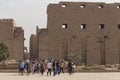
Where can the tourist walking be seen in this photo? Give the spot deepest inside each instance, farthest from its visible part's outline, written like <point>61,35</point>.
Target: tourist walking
<point>38,67</point>
<point>42,68</point>
<point>21,67</point>
<point>33,67</point>
<point>73,67</point>
<point>58,67</point>
<point>70,67</point>
<point>49,67</point>
<point>54,68</point>
<point>62,66</point>
<point>27,67</point>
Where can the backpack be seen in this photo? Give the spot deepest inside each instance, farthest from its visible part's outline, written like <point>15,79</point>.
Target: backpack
<point>22,65</point>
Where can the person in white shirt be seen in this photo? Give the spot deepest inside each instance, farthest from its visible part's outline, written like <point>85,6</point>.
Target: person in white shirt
<point>49,67</point>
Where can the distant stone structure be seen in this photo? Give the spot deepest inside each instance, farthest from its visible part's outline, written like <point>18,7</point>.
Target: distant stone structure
<point>14,37</point>
<point>89,31</point>
<point>26,54</point>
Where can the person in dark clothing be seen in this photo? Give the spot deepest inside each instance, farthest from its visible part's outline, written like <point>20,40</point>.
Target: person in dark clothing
<point>37,67</point>
<point>70,67</point>
<point>58,67</point>
<point>42,68</point>
<point>27,67</point>
<point>54,68</point>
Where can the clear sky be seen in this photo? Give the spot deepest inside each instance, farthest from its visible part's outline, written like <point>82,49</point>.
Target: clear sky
<point>29,13</point>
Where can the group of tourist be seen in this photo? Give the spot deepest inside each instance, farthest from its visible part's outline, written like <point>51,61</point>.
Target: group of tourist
<point>49,66</point>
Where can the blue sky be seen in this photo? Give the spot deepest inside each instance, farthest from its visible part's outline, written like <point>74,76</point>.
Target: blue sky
<point>29,13</point>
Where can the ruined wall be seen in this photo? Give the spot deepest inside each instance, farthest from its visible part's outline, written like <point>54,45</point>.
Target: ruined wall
<point>13,37</point>
<point>43,44</point>
<point>18,38</point>
<point>33,47</point>
<point>6,33</point>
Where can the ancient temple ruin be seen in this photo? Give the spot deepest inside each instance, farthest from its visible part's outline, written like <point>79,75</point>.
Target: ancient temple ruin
<point>87,31</point>
<point>14,37</point>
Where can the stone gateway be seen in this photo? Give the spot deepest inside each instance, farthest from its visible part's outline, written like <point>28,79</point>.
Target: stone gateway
<point>87,31</point>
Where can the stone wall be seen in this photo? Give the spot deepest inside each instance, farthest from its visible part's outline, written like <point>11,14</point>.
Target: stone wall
<point>13,37</point>
<point>88,30</point>
<point>33,47</point>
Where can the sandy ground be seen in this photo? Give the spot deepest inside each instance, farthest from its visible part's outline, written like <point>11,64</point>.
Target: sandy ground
<point>65,76</point>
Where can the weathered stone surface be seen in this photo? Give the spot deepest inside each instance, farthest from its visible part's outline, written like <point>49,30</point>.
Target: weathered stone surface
<point>14,37</point>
